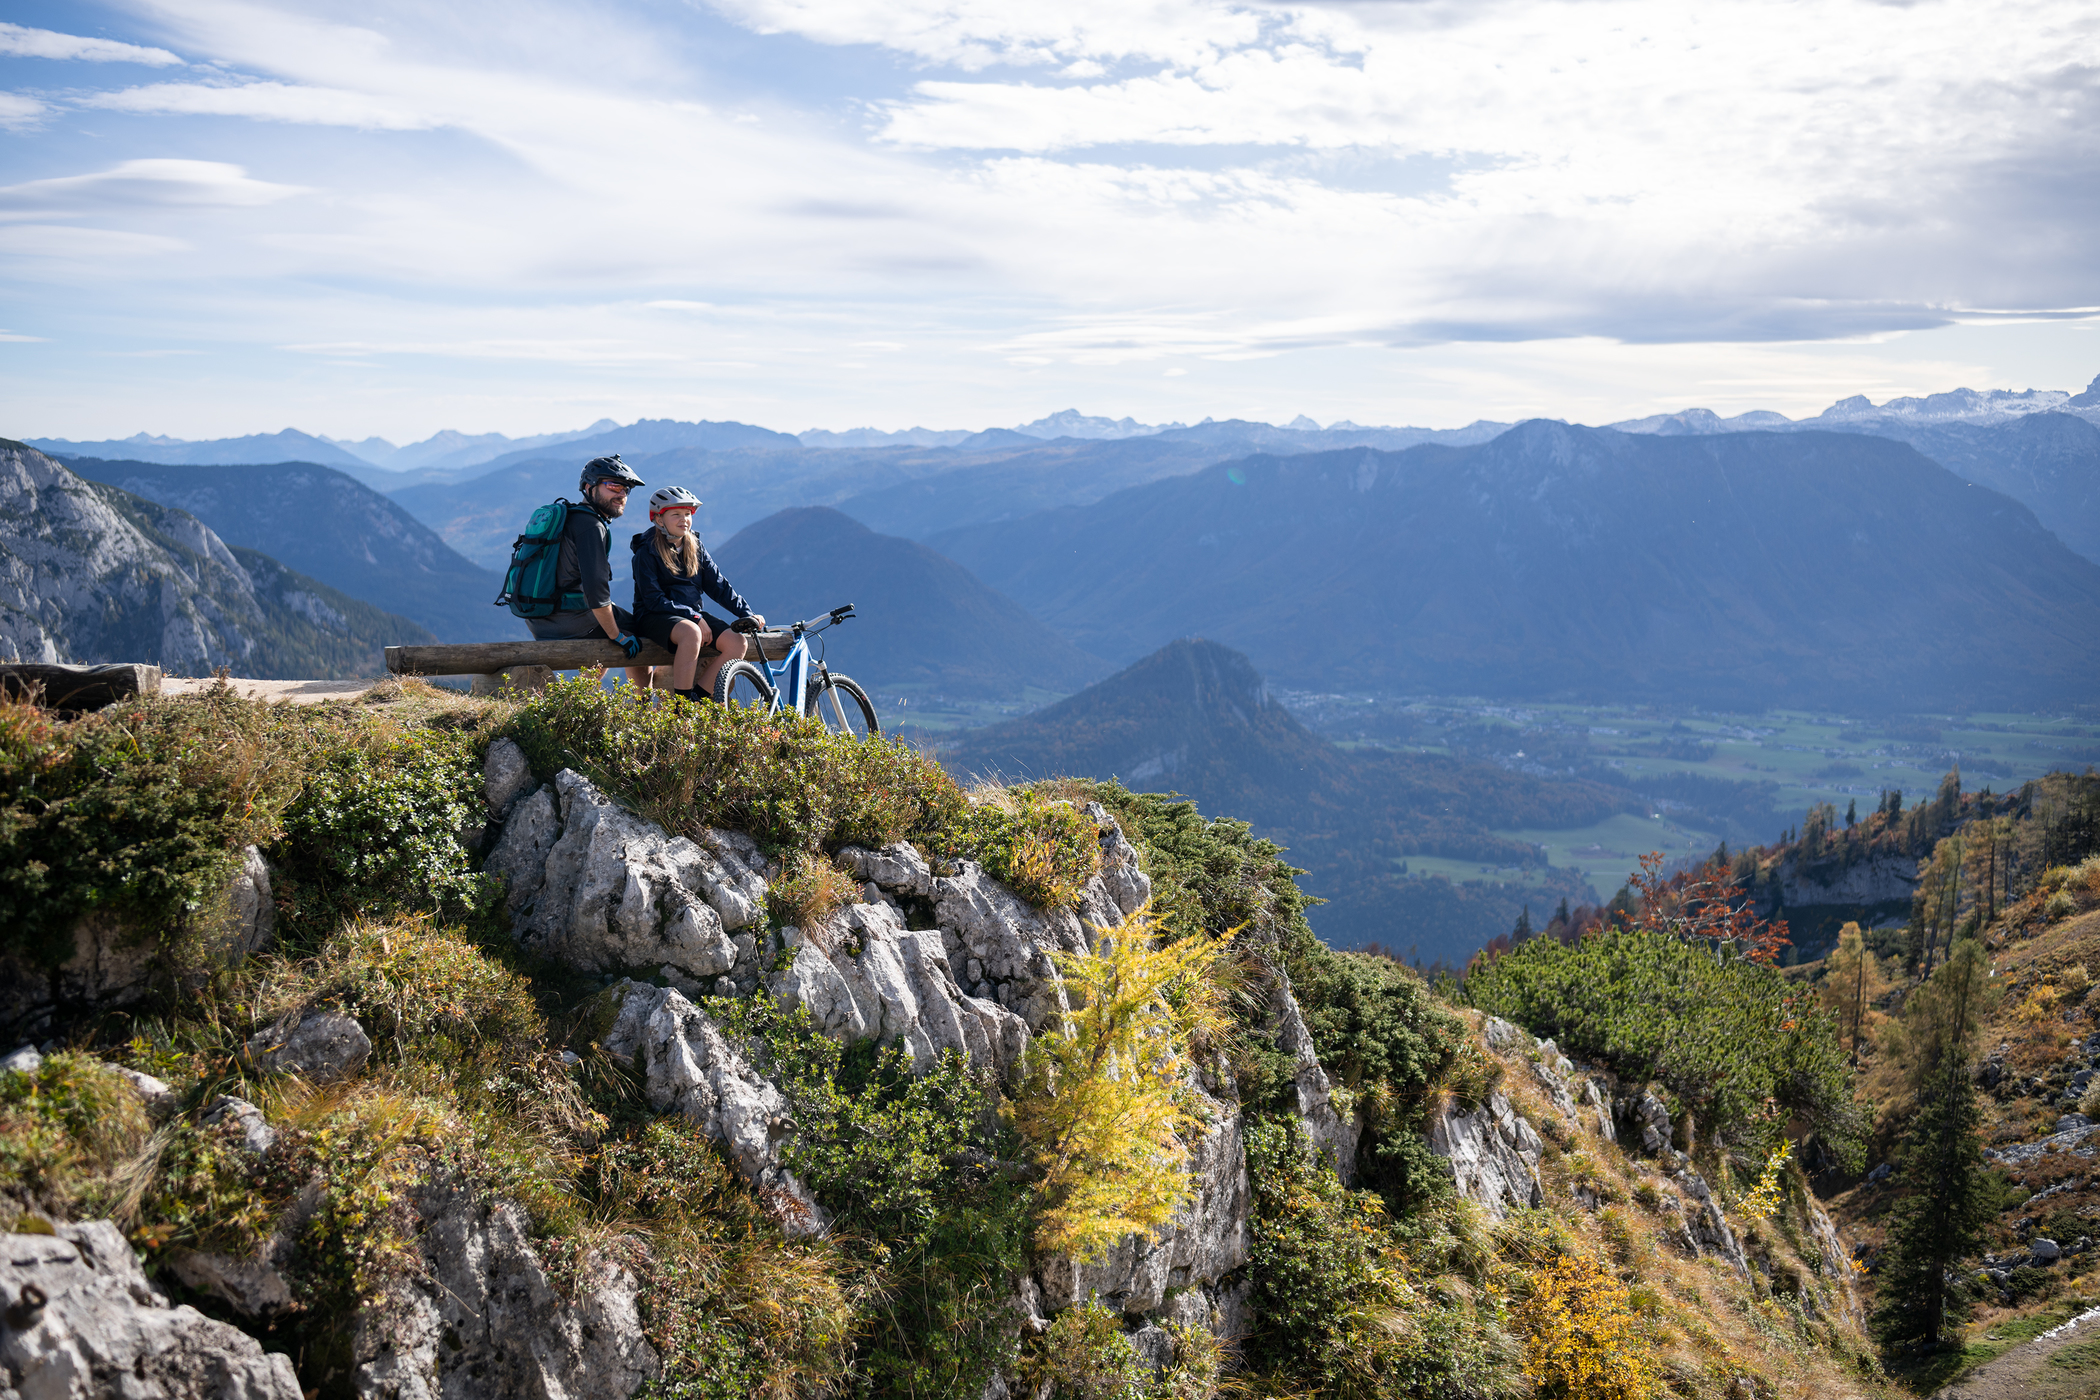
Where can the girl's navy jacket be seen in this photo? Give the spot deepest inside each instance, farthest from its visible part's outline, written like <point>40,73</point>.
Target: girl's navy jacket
<point>659,590</point>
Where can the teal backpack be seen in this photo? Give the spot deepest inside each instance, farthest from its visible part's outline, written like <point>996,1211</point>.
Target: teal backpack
<point>529,586</point>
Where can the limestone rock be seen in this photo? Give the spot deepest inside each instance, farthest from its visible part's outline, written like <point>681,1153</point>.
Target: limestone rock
<point>2046,1251</point>
<point>1494,1155</point>
<point>599,889</point>
<point>864,976</point>
<point>689,1066</point>
<point>1574,1093</point>
<point>1651,1120</point>
<point>23,1060</point>
<point>505,777</point>
<point>251,916</point>
<point>257,1136</point>
<point>898,867</point>
<point>483,1322</point>
<point>1707,1227</point>
<point>321,1045</point>
<point>103,1331</point>
<point>159,1099</point>
<point>1502,1035</point>
<point>1332,1133</point>
<point>1001,945</point>
<point>1127,886</point>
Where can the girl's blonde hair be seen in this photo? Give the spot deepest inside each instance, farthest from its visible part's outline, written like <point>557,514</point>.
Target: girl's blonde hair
<point>686,561</point>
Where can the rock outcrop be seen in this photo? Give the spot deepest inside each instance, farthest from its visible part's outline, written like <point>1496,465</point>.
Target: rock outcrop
<point>1494,1154</point>
<point>320,1045</point>
<point>482,1320</point>
<point>602,890</point>
<point>690,1067</point>
<point>82,1323</point>
<point>115,963</point>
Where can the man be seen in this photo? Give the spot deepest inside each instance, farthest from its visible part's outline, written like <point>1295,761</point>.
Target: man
<point>584,574</point>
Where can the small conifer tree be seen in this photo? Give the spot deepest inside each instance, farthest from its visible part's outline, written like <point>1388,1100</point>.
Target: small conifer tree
<point>1105,1106</point>
<point>1952,1198</point>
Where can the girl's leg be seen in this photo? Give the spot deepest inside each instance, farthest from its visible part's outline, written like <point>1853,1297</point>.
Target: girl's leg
<point>729,646</point>
<point>687,637</point>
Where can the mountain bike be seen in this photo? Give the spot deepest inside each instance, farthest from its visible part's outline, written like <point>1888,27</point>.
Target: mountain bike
<point>801,681</point>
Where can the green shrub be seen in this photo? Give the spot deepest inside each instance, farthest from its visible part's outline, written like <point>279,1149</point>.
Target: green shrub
<point>377,828</point>
<point>911,1166</point>
<point>1335,1311</point>
<point>139,811</point>
<point>63,1129</point>
<point>1044,849</point>
<point>781,777</point>
<point>1725,1035</point>
<point>2061,905</point>
<point>415,988</point>
<point>1086,1356</point>
<point>733,1308</point>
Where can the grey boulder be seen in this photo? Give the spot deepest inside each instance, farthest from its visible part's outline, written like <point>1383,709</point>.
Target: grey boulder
<point>864,976</point>
<point>83,1323</point>
<point>320,1045</point>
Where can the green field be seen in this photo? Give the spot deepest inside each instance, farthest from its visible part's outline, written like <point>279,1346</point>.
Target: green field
<point>1610,851</point>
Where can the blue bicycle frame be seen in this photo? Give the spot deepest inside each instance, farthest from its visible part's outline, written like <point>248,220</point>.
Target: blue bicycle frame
<point>790,679</point>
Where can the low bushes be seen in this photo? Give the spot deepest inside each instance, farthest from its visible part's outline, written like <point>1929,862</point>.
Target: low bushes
<point>798,789</point>
<point>1726,1036</point>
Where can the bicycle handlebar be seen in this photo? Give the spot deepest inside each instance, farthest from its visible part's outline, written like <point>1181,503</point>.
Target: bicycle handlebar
<point>818,624</point>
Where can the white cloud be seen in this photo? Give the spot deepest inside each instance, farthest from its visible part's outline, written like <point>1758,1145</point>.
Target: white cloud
<point>82,245</point>
<point>1092,189</point>
<point>278,102</point>
<point>19,42</point>
<point>18,111</point>
<point>974,34</point>
<point>144,184</point>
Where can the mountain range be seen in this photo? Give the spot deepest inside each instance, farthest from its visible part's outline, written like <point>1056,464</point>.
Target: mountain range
<point>1197,719</point>
<point>91,573</point>
<point>324,523</point>
<point>922,622</point>
<point>1745,568</point>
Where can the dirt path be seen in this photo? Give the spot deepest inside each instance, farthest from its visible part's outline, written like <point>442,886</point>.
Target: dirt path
<point>2061,1364</point>
<point>298,692</point>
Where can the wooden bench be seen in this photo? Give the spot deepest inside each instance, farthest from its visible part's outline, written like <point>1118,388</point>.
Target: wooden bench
<point>530,665</point>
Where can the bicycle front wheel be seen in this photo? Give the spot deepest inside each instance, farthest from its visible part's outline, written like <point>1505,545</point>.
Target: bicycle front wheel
<point>743,684</point>
<point>843,707</point>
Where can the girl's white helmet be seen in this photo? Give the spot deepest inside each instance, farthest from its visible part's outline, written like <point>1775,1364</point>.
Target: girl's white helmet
<point>672,498</point>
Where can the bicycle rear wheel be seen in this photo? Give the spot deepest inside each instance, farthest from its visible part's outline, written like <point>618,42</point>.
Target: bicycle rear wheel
<point>843,707</point>
<point>742,684</point>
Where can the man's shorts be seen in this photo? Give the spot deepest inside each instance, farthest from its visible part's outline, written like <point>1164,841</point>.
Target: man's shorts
<point>565,626</point>
<point>657,627</point>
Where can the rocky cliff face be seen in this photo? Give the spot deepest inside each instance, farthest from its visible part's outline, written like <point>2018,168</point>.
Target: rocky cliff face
<point>89,573</point>
<point>930,958</point>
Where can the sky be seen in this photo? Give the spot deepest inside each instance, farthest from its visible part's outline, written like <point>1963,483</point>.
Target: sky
<point>220,217</point>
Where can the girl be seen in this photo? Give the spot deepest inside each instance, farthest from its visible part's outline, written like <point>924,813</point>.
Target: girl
<point>671,572</point>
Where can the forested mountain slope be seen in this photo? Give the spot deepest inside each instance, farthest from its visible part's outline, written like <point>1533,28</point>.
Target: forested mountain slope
<point>1194,718</point>
<point>1750,568</point>
<point>924,621</point>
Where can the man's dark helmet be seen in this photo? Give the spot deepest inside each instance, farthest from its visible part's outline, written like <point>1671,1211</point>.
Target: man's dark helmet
<point>608,469</point>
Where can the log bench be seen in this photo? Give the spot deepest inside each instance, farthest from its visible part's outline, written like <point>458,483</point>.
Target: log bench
<point>529,666</point>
